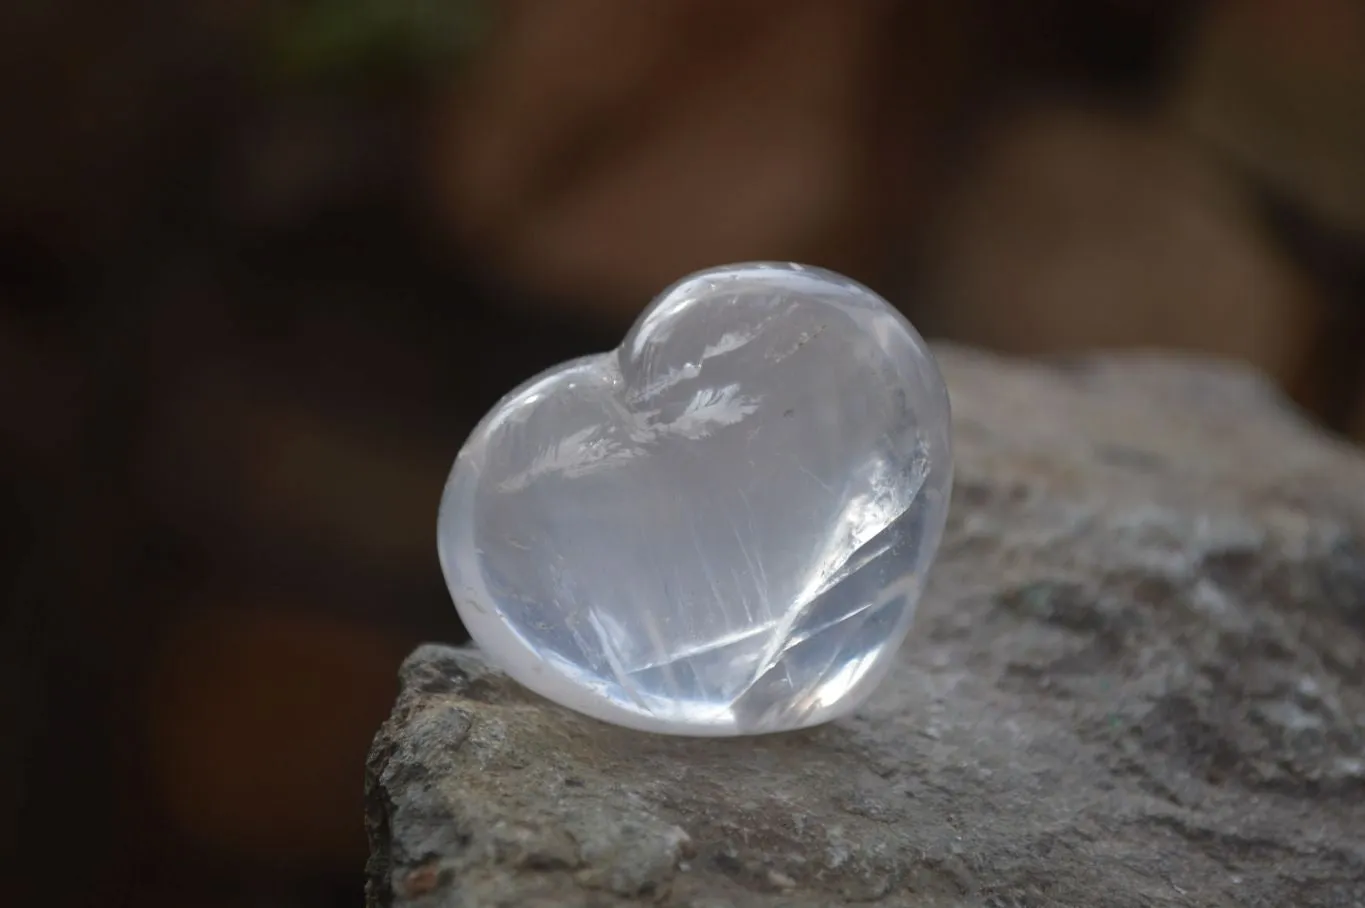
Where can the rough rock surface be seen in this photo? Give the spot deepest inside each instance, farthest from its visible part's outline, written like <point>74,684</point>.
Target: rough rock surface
<point>1137,678</point>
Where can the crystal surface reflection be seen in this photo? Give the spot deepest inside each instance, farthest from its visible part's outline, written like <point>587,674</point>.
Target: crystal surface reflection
<point>721,527</point>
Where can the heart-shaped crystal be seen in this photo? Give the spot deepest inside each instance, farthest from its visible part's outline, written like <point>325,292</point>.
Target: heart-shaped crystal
<point>722,526</point>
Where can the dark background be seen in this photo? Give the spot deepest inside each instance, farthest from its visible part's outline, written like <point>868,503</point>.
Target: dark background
<point>263,265</point>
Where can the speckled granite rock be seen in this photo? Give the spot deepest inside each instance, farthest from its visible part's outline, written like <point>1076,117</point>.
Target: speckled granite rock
<point>1137,679</point>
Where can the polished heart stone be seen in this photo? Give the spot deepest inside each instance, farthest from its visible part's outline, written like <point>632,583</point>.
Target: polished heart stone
<point>722,526</point>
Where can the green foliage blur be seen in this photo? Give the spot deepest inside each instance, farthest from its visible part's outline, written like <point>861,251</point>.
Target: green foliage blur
<point>345,41</point>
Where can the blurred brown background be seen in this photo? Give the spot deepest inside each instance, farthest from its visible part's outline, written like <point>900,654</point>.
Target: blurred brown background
<point>262,266</point>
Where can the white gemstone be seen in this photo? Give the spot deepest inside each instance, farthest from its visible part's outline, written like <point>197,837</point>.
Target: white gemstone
<point>722,526</point>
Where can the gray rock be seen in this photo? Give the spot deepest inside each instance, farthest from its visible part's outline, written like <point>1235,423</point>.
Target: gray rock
<point>1137,678</point>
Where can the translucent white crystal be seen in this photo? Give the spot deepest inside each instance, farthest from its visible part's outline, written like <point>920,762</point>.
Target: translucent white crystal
<point>722,526</point>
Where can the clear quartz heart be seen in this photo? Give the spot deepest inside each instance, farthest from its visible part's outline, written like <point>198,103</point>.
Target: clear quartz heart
<point>719,528</point>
